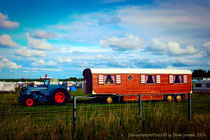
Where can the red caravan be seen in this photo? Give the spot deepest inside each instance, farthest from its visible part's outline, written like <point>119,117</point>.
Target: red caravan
<point>115,82</point>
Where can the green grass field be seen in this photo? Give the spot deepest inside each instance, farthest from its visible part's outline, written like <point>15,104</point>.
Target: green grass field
<point>102,121</point>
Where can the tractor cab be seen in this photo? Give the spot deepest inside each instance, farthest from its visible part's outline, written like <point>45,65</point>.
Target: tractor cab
<point>46,82</point>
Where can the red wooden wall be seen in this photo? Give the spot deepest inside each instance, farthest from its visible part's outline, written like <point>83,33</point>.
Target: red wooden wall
<point>135,86</point>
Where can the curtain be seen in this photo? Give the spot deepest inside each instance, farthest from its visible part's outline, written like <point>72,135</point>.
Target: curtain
<point>113,79</point>
<point>153,78</point>
<point>146,78</point>
<point>105,76</point>
<point>180,78</point>
<point>174,78</point>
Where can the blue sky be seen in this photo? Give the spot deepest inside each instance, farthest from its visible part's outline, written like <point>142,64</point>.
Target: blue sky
<point>63,37</point>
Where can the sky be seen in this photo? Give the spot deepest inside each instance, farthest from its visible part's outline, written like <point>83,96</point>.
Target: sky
<point>63,37</point>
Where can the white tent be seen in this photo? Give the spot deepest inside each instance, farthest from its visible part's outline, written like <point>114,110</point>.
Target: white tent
<point>1,85</point>
<point>7,86</point>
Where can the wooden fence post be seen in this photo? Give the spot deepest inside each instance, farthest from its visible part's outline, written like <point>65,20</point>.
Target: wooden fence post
<point>140,106</point>
<point>74,111</point>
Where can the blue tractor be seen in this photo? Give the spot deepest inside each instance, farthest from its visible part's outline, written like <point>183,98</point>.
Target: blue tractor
<point>51,92</point>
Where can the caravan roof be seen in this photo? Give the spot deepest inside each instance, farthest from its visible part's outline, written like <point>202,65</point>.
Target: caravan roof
<point>140,71</point>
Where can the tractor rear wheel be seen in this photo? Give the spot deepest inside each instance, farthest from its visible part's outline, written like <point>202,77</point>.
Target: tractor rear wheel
<point>59,97</point>
<point>29,102</point>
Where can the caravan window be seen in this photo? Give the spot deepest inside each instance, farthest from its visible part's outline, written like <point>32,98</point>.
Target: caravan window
<point>150,79</point>
<point>109,79</point>
<point>178,79</point>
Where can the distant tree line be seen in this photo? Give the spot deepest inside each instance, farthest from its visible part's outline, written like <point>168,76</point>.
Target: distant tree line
<point>201,73</point>
<point>40,80</point>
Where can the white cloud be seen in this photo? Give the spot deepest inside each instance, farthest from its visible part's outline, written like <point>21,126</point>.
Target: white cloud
<point>42,62</point>
<point>184,61</point>
<point>43,34</point>
<point>13,65</point>
<point>102,57</point>
<point>4,59</point>
<point>112,1</point>
<point>111,21</point>
<point>207,48</point>
<point>33,58</point>
<point>6,41</point>
<point>4,62</point>
<point>1,65</point>
<point>5,23</point>
<point>165,16</point>
<point>127,43</point>
<point>50,63</point>
<point>207,45</point>
<point>23,51</point>
<point>42,69</point>
<point>40,44</point>
<point>174,48</point>
<point>86,49</point>
<point>49,69</point>
<point>158,45</point>
<point>65,60</point>
<point>27,68</point>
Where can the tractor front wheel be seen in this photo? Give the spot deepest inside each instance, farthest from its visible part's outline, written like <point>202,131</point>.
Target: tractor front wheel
<point>29,102</point>
<point>59,97</point>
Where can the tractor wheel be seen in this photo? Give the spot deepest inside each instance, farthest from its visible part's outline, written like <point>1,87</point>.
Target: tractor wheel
<point>59,97</point>
<point>29,101</point>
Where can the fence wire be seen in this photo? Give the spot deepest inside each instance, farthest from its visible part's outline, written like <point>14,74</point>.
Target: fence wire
<point>95,111</point>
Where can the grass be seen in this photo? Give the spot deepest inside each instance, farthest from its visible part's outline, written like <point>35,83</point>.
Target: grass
<point>104,121</point>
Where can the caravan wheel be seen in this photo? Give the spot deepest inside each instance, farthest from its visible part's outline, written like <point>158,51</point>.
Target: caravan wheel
<point>178,98</point>
<point>109,100</point>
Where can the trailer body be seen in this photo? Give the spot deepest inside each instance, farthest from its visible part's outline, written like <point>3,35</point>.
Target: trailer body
<point>123,82</point>
<point>201,86</point>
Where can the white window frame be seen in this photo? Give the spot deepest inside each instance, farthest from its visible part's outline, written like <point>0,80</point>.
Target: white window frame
<point>143,78</point>
<point>158,79</point>
<point>185,79</point>
<point>100,79</point>
<point>171,79</point>
<point>118,79</point>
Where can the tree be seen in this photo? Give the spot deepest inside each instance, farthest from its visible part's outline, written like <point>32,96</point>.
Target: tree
<point>199,73</point>
<point>208,74</point>
<point>73,78</point>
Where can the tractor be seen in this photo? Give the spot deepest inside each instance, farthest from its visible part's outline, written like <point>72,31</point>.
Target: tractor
<point>51,92</point>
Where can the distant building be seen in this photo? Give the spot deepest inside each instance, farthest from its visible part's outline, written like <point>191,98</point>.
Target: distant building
<point>201,86</point>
